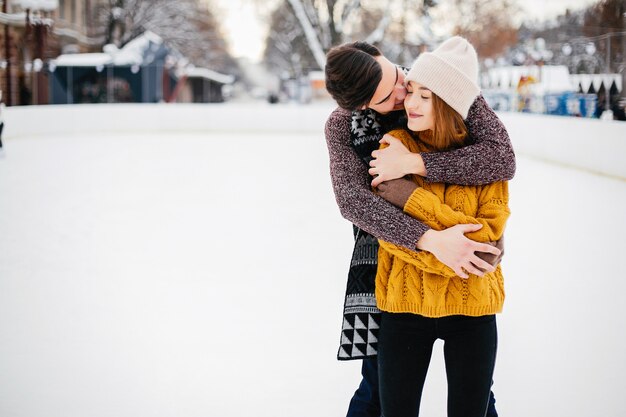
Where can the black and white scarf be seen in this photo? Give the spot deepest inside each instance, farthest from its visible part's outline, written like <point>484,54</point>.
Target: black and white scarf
<point>361,317</point>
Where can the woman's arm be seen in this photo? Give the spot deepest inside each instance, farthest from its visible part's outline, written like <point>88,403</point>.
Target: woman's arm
<point>491,158</point>
<point>423,260</point>
<point>492,214</point>
<point>493,211</point>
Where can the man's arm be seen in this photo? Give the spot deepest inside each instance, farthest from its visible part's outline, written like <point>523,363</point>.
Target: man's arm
<point>355,198</point>
<point>489,159</point>
<point>358,204</point>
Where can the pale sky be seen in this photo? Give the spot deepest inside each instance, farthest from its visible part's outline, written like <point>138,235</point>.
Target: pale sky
<point>244,28</point>
<point>550,8</point>
<point>246,31</point>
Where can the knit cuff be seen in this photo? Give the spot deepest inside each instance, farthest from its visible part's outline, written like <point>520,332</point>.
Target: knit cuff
<point>414,205</point>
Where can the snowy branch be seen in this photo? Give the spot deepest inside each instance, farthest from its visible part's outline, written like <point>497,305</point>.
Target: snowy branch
<point>378,34</point>
<point>346,12</point>
<point>310,34</point>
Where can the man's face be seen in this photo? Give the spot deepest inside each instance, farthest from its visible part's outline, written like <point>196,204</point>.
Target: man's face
<point>390,93</point>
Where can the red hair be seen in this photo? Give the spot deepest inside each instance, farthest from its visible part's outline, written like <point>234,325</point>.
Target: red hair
<point>449,130</point>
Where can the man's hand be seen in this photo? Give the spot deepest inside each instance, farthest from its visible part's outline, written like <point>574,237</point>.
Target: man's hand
<point>397,191</point>
<point>494,260</point>
<point>455,250</point>
<point>394,161</point>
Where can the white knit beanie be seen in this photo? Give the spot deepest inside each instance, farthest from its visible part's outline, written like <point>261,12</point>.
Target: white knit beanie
<point>451,72</point>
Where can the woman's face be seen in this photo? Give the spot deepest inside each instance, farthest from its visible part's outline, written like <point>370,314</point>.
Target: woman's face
<point>418,104</point>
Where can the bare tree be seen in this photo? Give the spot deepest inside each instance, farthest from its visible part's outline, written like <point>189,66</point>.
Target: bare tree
<point>488,25</point>
<point>124,20</point>
<point>409,32</point>
<point>185,25</point>
<point>602,19</point>
<point>286,50</point>
<point>302,31</point>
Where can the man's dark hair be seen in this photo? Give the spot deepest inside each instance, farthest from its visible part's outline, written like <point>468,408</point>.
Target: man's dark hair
<point>353,74</point>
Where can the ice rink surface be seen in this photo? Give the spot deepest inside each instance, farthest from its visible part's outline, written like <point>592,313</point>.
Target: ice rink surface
<point>202,274</point>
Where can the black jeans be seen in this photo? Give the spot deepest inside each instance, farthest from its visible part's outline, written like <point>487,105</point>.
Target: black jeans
<point>405,346</point>
<point>365,401</point>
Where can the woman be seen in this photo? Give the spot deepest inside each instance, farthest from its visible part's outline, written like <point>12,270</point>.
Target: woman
<point>423,300</point>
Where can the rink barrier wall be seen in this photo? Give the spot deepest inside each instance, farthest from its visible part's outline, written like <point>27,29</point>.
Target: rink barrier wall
<point>594,145</point>
<point>240,117</point>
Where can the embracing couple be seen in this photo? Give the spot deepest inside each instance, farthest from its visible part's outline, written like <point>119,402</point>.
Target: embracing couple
<point>419,164</point>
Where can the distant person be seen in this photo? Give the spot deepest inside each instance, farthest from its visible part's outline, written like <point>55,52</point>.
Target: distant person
<point>272,98</point>
<point>2,110</point>
<point>421,298</point>
<point>370,91</point>
<point>600,106</point>
<point>617,108</point>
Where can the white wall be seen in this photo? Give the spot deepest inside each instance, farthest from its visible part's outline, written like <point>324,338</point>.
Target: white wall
<point>248,117</point>
<point>589,144</point>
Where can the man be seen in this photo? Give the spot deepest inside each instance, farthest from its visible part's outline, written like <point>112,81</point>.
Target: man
<point>370,92</point>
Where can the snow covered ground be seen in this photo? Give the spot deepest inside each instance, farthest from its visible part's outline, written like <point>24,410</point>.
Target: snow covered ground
<point>201,273</point>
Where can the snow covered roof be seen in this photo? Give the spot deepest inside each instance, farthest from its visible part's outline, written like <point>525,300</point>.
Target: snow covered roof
<point>46,5</point>
<point>13,19</point>
<point>208,74</point>
<point>550,78</point>
<point>585,81</point>
<point>142,50</point>
<point>82,60</point>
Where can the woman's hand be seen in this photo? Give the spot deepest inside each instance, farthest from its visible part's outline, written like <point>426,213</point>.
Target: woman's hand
<point>394,161</point>
<point>397,191</point>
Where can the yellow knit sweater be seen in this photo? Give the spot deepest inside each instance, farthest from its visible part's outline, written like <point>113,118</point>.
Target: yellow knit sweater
<point>417,282</point>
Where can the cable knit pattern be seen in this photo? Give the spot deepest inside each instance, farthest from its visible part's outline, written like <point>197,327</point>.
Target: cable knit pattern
<point>418,283</point>
<point>489,159</point>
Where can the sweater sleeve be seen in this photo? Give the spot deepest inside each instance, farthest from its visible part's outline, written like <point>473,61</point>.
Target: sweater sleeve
<point>423,260</point>
<point>489,159</point>
<point>493,211</point>
<point>355,198</point>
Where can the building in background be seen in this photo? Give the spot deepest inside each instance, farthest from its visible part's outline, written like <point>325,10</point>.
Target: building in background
<point>201,85</point>
<point>73,29</point>
<point>145,70</point>
<point>140,72</point>
<point>33,32</point>
<point>24,36</point>
<point>53,51</point>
